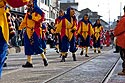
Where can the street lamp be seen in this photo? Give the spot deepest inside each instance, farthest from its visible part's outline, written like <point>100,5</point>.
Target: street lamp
<point>109,14</point>
<point>109,18</point>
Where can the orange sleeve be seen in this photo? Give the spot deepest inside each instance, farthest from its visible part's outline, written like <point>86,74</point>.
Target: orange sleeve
<point>120,28</point>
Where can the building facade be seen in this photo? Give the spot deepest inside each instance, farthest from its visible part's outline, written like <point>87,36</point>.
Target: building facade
<point>49,7</point>
<point>64,4</point>
<point>67,1</point>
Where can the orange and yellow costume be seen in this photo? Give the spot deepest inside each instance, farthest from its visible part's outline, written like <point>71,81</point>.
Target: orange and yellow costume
<point>84,32</point>
<point>67,28</point>
<point>32,36</point>
<point>4,28</point>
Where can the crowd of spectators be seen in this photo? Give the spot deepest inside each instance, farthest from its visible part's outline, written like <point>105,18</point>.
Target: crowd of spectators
<point>17,40</point>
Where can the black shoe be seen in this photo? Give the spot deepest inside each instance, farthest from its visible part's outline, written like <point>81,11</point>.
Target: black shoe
<point>44,52</point>
<point>57,51</point>
<point>101,47</point>
<point>116,52</point>
<point>74,57</point>
<point>27,65</point>
<point>60,55</point>
<point>63,59</point>
<point>99,51</point>
<point>94,51</point>
<point>5,65</point>
<point>55,48</point>
<point>81,53</point>
<point>45,62</point>
<point>86,55</point>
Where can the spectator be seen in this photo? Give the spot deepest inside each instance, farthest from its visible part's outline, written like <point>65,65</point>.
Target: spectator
<point>119,32</point>
<point>116,46</point>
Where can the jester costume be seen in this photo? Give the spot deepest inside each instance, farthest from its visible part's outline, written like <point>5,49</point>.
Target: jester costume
<point>58,37</point>
<point>84,32</point>
<point>67,28</point>
<point>98,28</point>
<point>32,36</point>
<point>4,28</point>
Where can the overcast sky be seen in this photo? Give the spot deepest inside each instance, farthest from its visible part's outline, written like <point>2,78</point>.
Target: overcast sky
<point>103,7</point>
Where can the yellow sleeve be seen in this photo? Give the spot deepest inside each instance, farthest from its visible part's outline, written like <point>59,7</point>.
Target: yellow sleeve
<point>74,26</point>
<point>91,30</point>
<point>36,17</point>
<point>58,27</point>
<point>68,24</point>
<point>23,23</point>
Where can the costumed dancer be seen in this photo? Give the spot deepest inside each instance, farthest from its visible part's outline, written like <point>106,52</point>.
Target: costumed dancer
<point>58,37</point>
<point>85,31</point>
<point>32,37</point>
<point>67,28</point>
<point>119,32</point>
<point>98,28</point>
<point>115,43</point>
<point>4,28</point>
<point>43,37</point>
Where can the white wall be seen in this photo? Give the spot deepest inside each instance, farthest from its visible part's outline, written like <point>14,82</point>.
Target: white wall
<point>45,9</point>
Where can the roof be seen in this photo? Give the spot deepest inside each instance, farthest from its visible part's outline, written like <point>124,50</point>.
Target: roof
<point>85,10</point>
<point>104,21</point>
<point>90,13</point>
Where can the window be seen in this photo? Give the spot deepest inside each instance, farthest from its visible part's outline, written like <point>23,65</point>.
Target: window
<point>43,1</point>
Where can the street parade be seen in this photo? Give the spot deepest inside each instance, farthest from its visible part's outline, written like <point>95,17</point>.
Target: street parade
<point>73,47</point>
